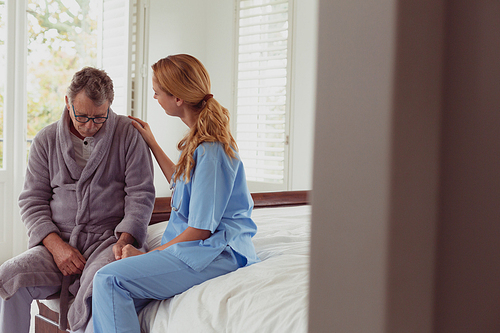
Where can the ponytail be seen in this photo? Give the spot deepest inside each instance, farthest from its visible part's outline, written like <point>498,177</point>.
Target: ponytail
<point>212,126</point>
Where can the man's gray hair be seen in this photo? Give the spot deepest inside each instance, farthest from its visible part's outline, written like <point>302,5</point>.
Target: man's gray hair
<point>96,83</point>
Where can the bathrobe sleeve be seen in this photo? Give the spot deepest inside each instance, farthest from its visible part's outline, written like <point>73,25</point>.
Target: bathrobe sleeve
<point>139,187</point>
<point>34,200</point>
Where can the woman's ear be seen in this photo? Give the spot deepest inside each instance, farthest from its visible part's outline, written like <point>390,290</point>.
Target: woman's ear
<point>179,101</point>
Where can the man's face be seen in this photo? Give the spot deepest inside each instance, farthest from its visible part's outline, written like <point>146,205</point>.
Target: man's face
<point>83,106</point>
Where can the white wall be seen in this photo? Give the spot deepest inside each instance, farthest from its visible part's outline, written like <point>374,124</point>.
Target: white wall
<point>174,27</point>
<point>303,102</point>
<point>207,31</point>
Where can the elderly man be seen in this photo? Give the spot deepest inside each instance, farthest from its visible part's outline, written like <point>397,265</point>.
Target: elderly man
<point>88,192</point>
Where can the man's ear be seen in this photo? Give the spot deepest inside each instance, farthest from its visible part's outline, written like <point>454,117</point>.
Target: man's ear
<point>67,101</point>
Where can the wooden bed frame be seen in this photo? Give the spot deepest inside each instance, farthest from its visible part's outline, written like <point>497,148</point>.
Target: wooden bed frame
<point>47,321</point>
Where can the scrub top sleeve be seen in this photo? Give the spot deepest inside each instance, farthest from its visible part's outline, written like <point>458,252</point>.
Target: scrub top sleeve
<point>210,193</point>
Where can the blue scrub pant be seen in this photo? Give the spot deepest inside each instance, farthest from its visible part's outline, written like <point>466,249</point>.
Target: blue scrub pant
<point>124,287</point>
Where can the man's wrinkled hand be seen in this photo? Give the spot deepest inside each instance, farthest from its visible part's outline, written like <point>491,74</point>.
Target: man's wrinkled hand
<point>68,259</point>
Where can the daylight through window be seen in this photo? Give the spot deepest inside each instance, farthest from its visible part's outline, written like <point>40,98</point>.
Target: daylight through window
<point>62,38</point>
<point>262,92</point>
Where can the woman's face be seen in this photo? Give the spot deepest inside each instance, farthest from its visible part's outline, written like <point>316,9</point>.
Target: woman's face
<point>166,101</point>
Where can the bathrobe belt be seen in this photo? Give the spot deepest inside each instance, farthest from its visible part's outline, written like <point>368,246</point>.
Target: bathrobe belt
<point>66,280</point>
<point>75,230</point>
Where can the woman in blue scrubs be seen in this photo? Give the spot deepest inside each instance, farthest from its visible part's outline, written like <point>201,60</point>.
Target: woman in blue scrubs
<point>210,228</point>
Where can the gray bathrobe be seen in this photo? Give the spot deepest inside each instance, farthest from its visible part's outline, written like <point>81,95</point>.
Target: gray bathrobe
<point>89,208</point>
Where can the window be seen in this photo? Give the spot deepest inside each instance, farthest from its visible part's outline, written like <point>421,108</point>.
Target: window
<point>62,38</point>
<point>122,41</point>
<point>65,36</point>
<point>115,52</point>
<point>263,89</point>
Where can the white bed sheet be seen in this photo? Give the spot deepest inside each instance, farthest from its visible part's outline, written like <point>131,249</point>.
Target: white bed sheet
<point>270,296</point>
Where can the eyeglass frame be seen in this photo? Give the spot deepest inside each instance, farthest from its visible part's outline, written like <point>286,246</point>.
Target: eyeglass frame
<point>88,118</point>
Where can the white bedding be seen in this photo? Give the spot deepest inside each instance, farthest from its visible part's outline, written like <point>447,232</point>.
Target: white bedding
<point>270,296</point>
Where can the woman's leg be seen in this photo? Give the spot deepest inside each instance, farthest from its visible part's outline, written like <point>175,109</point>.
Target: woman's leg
<point>120,286</point>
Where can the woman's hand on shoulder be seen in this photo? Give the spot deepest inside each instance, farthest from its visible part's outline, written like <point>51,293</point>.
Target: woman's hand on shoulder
<point>166,164</point>
<point>144,129</point>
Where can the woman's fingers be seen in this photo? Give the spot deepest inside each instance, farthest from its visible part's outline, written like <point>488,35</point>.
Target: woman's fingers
<point>144,129</point>
<point>138,126</point>
<point>130,251</point>
<point>139,121</point>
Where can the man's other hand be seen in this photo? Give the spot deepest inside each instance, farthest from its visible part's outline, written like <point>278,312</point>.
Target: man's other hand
<point>68,259</point>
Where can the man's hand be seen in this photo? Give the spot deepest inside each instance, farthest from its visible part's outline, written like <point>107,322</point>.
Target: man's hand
<point>125,239</point>
<point>68,259</point>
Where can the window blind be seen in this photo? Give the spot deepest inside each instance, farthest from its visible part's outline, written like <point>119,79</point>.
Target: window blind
<point>262,88</point>
<point>116,47</point>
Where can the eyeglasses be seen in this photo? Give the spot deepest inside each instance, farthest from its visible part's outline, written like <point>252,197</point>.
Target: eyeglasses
<point>85,119</point>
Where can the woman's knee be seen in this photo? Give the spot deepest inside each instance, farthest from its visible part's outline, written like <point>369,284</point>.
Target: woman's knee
<point>111,275</point>
<point>104,278</point>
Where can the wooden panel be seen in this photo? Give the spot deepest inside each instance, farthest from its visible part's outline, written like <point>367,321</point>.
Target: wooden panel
<point>278,199</point>
<point>47,313</point>
<point>161,210</point>
<point>47,321</point>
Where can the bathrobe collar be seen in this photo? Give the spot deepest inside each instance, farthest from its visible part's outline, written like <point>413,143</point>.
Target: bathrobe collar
<point>83,177</point>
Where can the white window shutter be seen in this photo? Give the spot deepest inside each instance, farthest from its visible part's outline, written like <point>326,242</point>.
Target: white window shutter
<point>116,47</point>
<point>263,89</point>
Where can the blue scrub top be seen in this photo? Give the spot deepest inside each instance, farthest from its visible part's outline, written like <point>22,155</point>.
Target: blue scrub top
<point>216,199</point>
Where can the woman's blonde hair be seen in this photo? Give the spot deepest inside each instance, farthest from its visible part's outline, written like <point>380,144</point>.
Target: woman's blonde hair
<point>185,77</point>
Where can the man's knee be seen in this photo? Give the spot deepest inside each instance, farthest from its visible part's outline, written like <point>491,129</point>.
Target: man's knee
<point>28,294</point>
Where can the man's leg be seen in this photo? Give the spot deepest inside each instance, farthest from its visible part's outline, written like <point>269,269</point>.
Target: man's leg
<point>15,313</point>
<point>89,328</point>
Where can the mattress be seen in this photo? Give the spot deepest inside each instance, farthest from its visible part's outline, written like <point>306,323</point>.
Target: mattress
<point>269,296</point>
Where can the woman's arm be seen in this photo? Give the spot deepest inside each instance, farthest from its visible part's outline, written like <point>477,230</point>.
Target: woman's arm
<point>190,234</point>
<point>165,163</point>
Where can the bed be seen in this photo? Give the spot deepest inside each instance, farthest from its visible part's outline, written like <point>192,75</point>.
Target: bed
<point>270,296</point>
